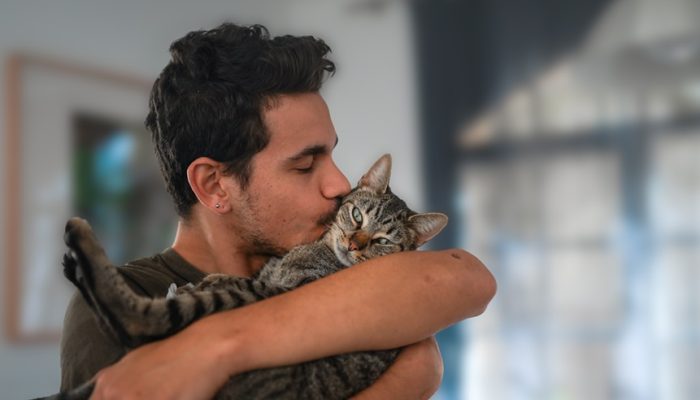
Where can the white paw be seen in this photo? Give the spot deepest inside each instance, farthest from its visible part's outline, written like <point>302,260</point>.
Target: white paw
<point>171,291</point>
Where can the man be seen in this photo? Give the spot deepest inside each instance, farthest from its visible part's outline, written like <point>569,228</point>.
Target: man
<point>245,145</point>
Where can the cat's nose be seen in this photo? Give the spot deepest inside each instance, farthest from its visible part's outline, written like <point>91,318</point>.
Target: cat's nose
<point>358,241</point>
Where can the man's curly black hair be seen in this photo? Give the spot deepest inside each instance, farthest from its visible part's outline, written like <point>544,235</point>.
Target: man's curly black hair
<point>208,101</point>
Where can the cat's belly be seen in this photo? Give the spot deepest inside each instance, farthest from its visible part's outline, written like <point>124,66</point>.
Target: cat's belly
<point>338,377</point>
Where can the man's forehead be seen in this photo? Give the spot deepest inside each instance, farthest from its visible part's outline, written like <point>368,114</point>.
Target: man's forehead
<point>299,125</point>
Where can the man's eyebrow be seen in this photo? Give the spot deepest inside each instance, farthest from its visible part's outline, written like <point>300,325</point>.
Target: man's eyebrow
<point>309,151</point>
<point>312,151</point>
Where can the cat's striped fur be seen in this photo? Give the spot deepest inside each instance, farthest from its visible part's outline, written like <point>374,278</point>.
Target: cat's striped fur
<point>371,222</point>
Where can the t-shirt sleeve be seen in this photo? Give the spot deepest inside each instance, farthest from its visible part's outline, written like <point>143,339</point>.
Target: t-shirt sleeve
<point>85,347</point>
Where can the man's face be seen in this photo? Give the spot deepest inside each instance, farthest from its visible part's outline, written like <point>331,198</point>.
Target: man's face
<point>294,184</point>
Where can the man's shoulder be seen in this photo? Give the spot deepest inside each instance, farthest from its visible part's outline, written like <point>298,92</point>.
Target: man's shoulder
<point>151,276</point>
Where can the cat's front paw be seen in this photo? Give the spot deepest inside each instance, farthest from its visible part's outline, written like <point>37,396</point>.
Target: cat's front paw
<point>70,264</point>
<point>218,281</point>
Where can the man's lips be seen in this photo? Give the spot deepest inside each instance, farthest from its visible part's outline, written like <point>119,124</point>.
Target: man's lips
<point>327,219</point>
<point>326,223</point>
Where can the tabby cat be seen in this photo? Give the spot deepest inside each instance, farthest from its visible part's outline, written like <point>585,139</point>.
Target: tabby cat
<point>371,222</point>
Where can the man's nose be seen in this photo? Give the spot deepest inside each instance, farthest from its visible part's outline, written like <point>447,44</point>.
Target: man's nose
<point>335,184</point>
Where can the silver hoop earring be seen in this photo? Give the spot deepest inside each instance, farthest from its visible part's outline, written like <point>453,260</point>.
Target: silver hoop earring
<point>217,205</point>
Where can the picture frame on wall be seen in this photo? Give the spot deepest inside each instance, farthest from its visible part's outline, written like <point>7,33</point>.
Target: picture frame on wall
<point>75,146</point>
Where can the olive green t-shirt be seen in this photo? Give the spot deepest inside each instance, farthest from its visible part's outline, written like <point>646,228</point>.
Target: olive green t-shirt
<point>85,348</point>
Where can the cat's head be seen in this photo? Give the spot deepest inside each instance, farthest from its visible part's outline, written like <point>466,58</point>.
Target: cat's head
<point>372,221</point>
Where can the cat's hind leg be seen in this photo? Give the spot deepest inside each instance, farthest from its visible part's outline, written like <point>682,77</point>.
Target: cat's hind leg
<point>131,318</point>
<point>85,255</point>
<point>135,319</point>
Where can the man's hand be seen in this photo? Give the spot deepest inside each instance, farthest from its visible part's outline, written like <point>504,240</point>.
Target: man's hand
<point>416,374</point>
<point>180,367</point>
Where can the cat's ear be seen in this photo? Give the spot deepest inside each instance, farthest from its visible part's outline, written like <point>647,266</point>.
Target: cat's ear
<point>377,178</point>
<point>427,226</point>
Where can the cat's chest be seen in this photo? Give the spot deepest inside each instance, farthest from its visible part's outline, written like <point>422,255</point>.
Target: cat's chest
<point>301,265</point>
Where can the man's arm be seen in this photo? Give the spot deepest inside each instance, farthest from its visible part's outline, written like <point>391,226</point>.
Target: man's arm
<point>383,303</point>
<point>415,374</point>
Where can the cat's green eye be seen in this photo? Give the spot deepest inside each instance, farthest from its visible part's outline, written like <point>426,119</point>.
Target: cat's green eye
<point>382,240</point>
<point>357,215</point>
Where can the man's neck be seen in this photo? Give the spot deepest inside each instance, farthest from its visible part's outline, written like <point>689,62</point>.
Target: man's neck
<point>212,250</point>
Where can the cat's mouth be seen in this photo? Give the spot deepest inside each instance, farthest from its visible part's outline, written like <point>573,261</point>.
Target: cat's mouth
<point>346,256</point>
<point>343,253</point>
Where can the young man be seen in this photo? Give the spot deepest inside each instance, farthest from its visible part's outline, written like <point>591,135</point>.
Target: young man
<point>245,145</point>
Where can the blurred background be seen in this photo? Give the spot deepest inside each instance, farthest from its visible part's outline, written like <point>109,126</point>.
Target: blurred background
<point>562,138</point>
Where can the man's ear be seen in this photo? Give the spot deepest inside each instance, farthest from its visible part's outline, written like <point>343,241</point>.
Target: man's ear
<point>204,176</point>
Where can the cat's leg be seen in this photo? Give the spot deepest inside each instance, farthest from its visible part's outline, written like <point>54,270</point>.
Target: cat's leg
<point>136,319</point>
<point>131,318</point>
<point>103,288</point>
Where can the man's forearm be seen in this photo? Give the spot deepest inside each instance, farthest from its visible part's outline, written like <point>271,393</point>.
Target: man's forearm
<point>384,303</point>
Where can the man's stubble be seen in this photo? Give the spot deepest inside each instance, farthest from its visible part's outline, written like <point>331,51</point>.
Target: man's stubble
<point>245,222</point>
